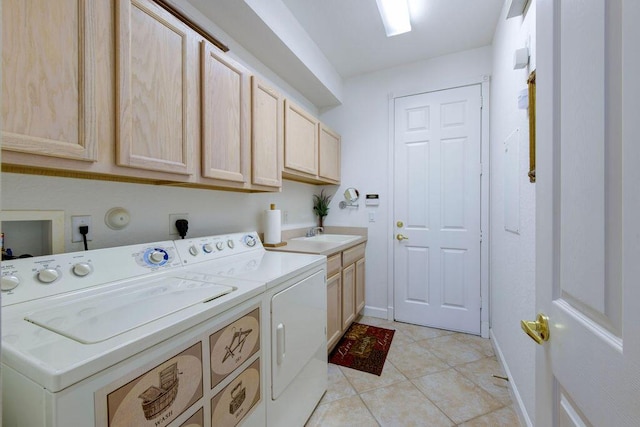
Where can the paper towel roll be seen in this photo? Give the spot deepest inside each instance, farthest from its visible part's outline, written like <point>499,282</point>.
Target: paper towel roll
<point>272,226</point>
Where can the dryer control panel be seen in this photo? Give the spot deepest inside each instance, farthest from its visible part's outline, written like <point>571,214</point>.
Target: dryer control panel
<point>211,248</point>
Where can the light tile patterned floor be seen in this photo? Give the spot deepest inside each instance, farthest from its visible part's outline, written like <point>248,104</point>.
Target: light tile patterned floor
<point>431,378</point>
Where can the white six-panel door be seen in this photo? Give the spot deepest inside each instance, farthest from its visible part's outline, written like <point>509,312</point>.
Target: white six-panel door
<point>437,199</point>
<point>587,212</point>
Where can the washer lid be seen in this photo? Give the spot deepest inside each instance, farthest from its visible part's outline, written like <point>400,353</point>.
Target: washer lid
<point>102,316</point>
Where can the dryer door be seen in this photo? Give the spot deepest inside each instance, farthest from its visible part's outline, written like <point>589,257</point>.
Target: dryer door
<point>298,330</point>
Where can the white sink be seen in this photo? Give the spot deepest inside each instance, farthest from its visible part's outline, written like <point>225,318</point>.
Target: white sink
<point>329,238</point>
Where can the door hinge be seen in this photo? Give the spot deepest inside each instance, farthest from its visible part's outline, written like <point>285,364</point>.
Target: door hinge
<point>481,102</point>
<point>481,169</point>
<point>480,235</point>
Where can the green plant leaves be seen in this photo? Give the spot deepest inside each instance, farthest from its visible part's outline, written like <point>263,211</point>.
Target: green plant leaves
<point>321,203</point>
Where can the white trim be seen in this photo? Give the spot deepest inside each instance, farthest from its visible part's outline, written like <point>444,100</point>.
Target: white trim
<point>390,208</point>
<point>375,312</point>
<point>485,210</point>
<point>431,88</point>
<point>547,98</point>
<point>485,91</point>
<point>521,410</point>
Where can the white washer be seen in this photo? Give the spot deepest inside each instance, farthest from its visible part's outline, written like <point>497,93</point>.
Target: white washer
<point>295,301</point>
<point>129,336</point>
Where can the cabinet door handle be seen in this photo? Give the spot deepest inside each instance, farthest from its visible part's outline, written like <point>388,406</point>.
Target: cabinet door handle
<point>280,343</point>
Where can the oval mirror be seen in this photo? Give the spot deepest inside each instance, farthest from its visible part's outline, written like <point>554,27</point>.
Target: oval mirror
<point>351,195</point>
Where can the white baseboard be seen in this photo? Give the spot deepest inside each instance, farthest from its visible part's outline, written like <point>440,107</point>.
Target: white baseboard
<point>375,312</point>
<point>515,395</point>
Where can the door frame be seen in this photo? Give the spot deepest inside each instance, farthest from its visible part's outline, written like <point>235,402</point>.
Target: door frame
<point>484,81</point>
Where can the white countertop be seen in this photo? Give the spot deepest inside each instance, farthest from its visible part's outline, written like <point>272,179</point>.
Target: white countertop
<point>322,248</point>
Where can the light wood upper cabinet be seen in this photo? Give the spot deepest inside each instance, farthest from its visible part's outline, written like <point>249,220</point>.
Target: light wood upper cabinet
<point>267,120</point>
<point>105,89</point>
<point>329,154</point>
<point>225,117</point>
<point>156,128</point>
<point>311,149</point>
<point>48,84</point>
<point>301,141</point>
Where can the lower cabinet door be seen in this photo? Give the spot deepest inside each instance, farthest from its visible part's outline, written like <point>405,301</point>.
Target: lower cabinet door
<point>334,309</point>
<point>360,285</point>
<point>348,295</point>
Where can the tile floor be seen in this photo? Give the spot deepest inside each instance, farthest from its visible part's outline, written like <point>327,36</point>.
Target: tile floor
<point>431,378</point>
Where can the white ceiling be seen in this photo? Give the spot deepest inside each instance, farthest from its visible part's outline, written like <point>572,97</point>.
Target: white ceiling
<point>349,34</point>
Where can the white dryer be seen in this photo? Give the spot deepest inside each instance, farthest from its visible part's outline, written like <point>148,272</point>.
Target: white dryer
<point>295,308</point>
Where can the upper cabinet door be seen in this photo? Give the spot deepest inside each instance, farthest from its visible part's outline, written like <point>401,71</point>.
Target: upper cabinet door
<point>48,61</point>
<point>156,73</point>
<point>329,160</point>
<point>267,136</point>
<point>300,140</point>
<point>225,117</point>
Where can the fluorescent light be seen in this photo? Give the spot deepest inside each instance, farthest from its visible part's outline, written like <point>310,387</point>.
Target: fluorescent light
<point>395,16</point>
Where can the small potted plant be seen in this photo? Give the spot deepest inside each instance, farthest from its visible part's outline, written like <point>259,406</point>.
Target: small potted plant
<point>321,205</point>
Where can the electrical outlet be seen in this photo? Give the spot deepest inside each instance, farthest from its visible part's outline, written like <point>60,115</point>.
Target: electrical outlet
<point>173,231</point>
<point>76,222</point>
<point>285,217</point>
<point>372,217</point>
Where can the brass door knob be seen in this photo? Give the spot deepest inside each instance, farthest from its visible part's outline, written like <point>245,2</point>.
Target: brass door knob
<point>401,237</point>
<point>538,330</point>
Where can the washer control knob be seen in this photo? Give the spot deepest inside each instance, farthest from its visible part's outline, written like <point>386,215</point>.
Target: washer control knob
<point>230,243</point>
<point>81,269</point>
<point>249,240</point>
<point>48,275</point>
<point>220,246</point>
<point>193,250</point>
<point>207,248</point>
<point>156,257</point>
<point>9,282</point>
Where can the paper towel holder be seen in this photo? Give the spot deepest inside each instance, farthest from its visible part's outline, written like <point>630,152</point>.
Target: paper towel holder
<point>272,208</point>
<point>351,196</point>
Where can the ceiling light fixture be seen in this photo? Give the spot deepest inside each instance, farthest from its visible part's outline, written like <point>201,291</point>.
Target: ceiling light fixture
<point>395,16</point>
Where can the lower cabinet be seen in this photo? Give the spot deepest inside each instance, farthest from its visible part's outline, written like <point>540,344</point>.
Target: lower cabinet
<point>360,264</point>
<point>334,315</point>
<point>345,291</point>
<point>348,295</point>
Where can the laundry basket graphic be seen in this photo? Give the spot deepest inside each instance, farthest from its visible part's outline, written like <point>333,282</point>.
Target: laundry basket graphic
<point>156,399</point>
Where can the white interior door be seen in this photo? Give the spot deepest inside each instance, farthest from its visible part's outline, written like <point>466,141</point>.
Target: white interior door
<point>588,207</point>
<point>437,198</point>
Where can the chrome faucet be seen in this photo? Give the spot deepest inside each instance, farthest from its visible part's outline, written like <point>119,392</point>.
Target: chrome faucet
<point>313,231</point>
